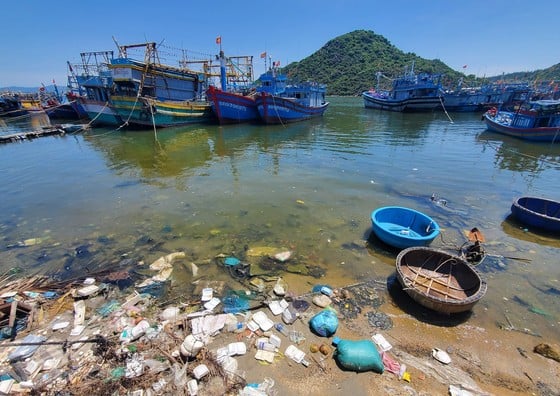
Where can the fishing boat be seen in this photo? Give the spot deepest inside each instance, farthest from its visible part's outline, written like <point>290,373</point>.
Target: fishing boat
<point>280,101</point>
<point>540,213</point>
<point>472,99</point>
<point>409,93</point>
<point>149,93</point>
<point>403,227</point>
<point>10,105</point>
<point>438,280</point>
<point>537,121</point>
<point>234,101</point>
<point>90,84</point>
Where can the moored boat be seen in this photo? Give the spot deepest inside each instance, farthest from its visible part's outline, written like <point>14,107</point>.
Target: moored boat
<point>537,121</point>
<point>92,82</point>
<point>10,105</point>
<point>403,227</point>
<point>465,99</point>
<point>409,93</point>
<point>281,102</point>
<point>234,101</point>
<point>148,93</point>
<point>540,213</point>
<point>438,280</point>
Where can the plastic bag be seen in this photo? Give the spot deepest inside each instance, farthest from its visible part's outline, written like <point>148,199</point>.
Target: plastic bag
<point>324,323</point>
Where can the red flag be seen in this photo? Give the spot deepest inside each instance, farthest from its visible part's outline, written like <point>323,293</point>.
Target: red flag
<point>219,40</point>
<point>263,55</point>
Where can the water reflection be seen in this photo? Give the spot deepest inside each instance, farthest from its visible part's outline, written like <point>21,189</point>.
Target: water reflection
<point>521,156</point>
<point>181,151</point>
<point>520,231</point>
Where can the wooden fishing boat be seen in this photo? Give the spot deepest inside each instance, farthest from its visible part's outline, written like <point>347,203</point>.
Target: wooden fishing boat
<point>537,212</point>
<point>439,280</point>
<point>403,227</point>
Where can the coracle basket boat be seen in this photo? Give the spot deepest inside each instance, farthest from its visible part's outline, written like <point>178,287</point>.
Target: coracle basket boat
<point>540,213</point>
<point>403,227</point>
<point>439,280</point>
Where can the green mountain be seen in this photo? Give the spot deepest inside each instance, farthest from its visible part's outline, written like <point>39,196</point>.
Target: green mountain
<point>348,65</point>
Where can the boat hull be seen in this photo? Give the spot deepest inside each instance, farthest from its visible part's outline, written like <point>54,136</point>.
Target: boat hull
<point>539,134</point>
<point>145,112</point>
<point>231,107</point>
<point>403,227</point>
<point>418,104</point>
<point>278,110</point>
<point>540,213</point>
<point>439,280</point>
<point>101,113</point>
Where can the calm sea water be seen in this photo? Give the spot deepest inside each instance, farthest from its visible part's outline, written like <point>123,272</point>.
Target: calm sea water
<point>89,201</point>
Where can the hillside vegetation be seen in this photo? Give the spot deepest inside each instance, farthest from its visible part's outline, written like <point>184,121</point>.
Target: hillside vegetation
<point>348,65</point>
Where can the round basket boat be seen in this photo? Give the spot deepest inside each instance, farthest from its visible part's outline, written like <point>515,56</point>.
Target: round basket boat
<point>536,212</point>
<point>439,280</point>
<point>403,227</point>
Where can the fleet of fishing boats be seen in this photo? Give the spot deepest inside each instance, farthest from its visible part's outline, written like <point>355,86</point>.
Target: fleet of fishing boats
<point>126,91</point>
<point>141,91</point>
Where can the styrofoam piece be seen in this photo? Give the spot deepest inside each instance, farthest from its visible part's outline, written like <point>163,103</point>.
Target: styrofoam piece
<point>88,290</point>
<point>79,312</point>
<point>267,356</point>
<point>296,354</point>
<point>263,321</point>
<point>213,303</point>
<point>275,340</point>
<point>200,371</point>
<point>381,342</point>
<point>60,325</point>
<point>77,330</point>
<point>278,306</point>
<point>252,325</point>
<point>89,281</point>
<point>192,387</point>
<point>237,348</point>
<point>207,294</point>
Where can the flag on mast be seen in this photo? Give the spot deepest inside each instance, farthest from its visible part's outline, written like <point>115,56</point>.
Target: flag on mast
<point>219,40</point>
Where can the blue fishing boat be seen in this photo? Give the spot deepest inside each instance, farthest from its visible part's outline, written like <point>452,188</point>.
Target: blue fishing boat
<point>234,101</point>
<point>409,93</point>
<point>148,93</point>
<point>403,227</point>
<point>281,102</point>
<point>540,213</point>
<point>537,121</point>
<point>466,99</point>
<point>90,84</point>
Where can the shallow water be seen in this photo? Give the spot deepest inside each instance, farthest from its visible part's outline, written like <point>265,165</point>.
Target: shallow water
<point>95,199</point>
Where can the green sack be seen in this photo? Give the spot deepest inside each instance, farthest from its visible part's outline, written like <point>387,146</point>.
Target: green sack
<point>361,355</point>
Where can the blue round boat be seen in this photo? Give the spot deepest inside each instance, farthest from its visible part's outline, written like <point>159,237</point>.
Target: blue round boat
<point>537,212</point>
<point>403,227</point>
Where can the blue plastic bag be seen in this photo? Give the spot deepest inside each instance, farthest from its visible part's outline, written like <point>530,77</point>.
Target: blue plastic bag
<point>324,323</point>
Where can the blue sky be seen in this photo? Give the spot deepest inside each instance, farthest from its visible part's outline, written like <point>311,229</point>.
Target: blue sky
<point>490,37</point>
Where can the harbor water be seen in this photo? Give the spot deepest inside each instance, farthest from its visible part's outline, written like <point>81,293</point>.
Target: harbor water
<point>105,198</point>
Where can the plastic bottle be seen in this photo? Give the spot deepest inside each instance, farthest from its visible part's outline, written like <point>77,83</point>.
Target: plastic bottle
<point>281,329</point>
<point>290,315</point>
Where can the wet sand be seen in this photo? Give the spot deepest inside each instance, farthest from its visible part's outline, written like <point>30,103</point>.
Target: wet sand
<point>490,360</point>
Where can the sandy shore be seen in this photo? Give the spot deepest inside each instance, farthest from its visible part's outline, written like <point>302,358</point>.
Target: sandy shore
<point>484,361</point>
